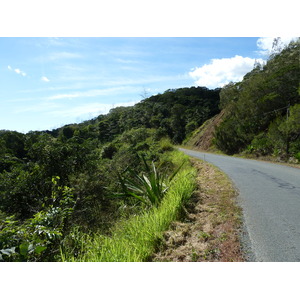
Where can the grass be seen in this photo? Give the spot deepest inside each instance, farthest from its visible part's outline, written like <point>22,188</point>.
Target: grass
<point>136,239</point>
<point>211,229</point>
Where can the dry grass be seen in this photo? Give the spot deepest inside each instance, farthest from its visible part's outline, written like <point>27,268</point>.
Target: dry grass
<point>210,231</point>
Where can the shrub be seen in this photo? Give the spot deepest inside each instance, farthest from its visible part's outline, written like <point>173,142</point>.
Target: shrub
<point>165,145</point>
<point>37,238</point>
<point>149,187</point>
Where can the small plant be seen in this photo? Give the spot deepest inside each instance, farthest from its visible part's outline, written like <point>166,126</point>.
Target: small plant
<point>194,255</point>
<point>147,188</point>
<point>204,236</point>
<point>297,156</point>
<point>165,145</point>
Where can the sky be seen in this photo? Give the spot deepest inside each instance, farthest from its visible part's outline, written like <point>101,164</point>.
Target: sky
<point>49,82</point>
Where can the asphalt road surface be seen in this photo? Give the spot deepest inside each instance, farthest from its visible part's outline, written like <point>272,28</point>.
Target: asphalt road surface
<point>269,195</point>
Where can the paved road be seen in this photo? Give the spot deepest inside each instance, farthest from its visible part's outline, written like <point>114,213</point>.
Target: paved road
<point>269,195</point>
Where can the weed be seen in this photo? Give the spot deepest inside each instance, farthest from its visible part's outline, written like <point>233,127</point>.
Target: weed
<point>204,236</point>
<point>194,255</point>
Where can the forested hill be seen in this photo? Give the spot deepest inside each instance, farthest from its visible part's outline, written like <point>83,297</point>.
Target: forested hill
<point>56,184</point>
<point>261,114</point>
<point>175,113</point>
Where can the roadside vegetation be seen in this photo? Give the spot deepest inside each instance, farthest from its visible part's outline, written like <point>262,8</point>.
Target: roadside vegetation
<point>106,189</point>
<point>211,228</point>
<point>58,188</point>
<point>134,239</point>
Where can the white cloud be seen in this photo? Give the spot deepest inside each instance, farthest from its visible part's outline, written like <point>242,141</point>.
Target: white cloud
<point>89,110</point>
<point>18,71</point>
<point>221,71</point>
<point>265,44</point>
<point>89,93</point>
<point>44,78</point>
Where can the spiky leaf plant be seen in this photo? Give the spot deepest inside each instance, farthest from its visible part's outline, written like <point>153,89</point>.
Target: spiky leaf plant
<point>147,188</point>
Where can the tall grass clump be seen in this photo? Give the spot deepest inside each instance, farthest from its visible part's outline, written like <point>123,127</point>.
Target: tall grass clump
<point>136,239</point>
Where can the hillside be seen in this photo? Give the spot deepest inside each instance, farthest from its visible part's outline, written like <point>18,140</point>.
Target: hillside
<point>58,186</point>
<point>262,111</point>
<point>203,137</point>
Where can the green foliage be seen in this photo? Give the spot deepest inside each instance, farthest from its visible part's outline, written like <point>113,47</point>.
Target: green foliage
<point>147,188</point>
<point>86,157</point>
<point>135,239</point>
<point>261,145</point>
<point>165,145</point>
<point>22,190</point>
<point>37,238</point>
<point>297,156</point>
<point>12,142</point>
<point>262,111</point>
<point>229,95</point>
<point>109,150</point>
<point>229,136</point>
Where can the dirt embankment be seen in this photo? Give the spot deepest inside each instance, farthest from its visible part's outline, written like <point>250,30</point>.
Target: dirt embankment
<point>203,137</point>
<point>210,231</point>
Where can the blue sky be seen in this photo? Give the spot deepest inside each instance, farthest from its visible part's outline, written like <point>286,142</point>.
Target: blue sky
<point>48,82</point>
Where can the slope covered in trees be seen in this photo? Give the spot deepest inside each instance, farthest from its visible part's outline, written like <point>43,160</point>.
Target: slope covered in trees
<point>261,114</point>
<point>56,185</point>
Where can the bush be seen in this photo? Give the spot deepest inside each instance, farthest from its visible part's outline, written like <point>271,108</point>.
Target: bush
<point>37,238</point>
<point>165,145</point>
<point>297,156</point>
<point>261,145</point>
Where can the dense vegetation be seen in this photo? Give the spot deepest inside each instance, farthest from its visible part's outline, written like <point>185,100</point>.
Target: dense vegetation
<point>107,183</point>
<point>58,186</point>
<point>263,110</point>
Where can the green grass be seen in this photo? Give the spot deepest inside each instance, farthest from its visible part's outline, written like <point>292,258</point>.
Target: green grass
<point>136,239</point>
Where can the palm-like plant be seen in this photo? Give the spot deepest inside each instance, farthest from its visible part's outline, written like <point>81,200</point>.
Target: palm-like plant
<point>149,187</point>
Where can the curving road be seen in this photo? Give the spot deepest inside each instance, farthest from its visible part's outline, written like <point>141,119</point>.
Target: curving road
<point>269,195</point>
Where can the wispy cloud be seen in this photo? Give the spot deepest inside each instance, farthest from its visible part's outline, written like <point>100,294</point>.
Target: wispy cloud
<point>45,79</point>
<point>89,93</point>
<point>89,110</point>
<point>221,71</point>
<point>18,71</point>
